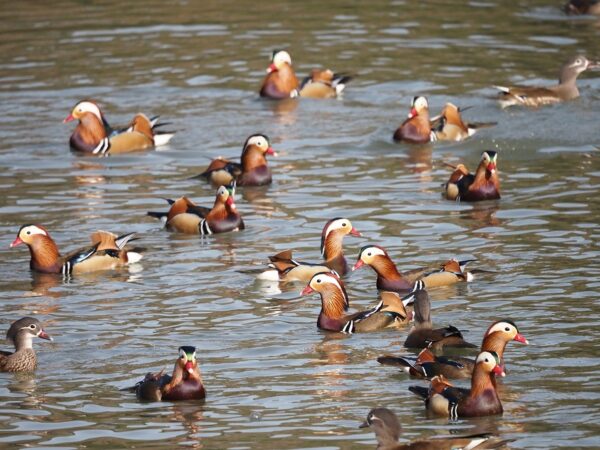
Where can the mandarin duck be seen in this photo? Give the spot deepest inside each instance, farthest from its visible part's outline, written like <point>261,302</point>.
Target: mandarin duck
<point>422,334</point>
<point>390,312</point>
<point>323,84</point>
<point>253,170</point>
<point>94,135</point>
<point>428,365</point>
<point>416,129</point>
<point>481,400</point>
<point>468,187</point>
<point>281,81</point>
<point>187,217</point>
<point>106,252</point>
<point>449,125</point>
<point>387,430</point>
<point>185,383</point>
<point>283,267</point>
<point>21,334</point>
<point>577,7</point>
<point>566,89</point>
<point>390,279</point>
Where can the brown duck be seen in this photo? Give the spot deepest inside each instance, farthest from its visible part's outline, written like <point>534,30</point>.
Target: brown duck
<point>253,170</point>
<point>387,430</point>
<point>187,217</point>
<point>416,129</point>
<point>21,334</point>
<point>481,400</point>
<point>483,185</point>
<point>323,84</point>
<point>281,81</point>
<point>185,383</point>
<point>389,313</point>
<point>106,252</point>
<point>449,125</point>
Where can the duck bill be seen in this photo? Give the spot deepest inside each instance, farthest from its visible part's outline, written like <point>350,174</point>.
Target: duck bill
<point>358,265</point>
<point>69,118</point>
<point>307,291</point>
<point>491,167</point>
<point>271,68</point>
<point>271,152</point>
<point>499,371</point>
<point>520,338</point>
<point>413,113</point>
<point>230,201</point>
<point>16,242</point>
<point>44,335</point>
<point>355,232</point>
<point>189,367</point>
<point>365,424</point>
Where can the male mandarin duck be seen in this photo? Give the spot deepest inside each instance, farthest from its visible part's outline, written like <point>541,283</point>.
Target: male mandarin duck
<point>21,334</point>
<point>187,217</point>
<point>390,279</point>
<point>449,125</point>
<point>323,84</point>
<point>94,135</point>
<point>428,365</point>
<point>185,383</point>
<point>484,184</point>
<point>422,334</point>
<point>387,430</point>
<point>281,81</point>
<point>416,129</point>
<point>576,7</point>
<point>389,313</point>
<point>566,89</point>
<point>285,268</point>
<point>481,400</point>
<point>106,252</point>
<point>253,170</point>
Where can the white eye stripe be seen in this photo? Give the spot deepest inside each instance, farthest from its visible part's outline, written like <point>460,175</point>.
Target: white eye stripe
<point>259,141</point>
<point>328,279</point>
<point>501,326</point>
<point>31,230</point>
<point>373,251</point>
<point>336,225</point>
<point>89,107</point>
<point>282,57</point>
<point>485,357</point>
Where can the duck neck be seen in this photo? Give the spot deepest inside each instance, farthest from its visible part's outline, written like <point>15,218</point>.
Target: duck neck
<point>494,343</point>
<point>386,269</point>
<point>91,128</point>
<point>23,341</point>
<point>44,253</point>
<point>334,302</point>
<point>481,381</point>
<point>331,248</point>
<point>252,158</point>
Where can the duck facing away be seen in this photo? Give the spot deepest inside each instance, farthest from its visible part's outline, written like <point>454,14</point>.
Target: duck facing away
<point>481,400</point>
<point>323,84</point>
<point>390,312</point>
<point>484,184</point>
<point>253,169</point>
<point>281,81</point>
<point>566,89</point>
<point>284,267</point>
<point>94,135</point>
<point>187,217</point>
<point>21,334</point>
<point>185,383</point>
<point>106,252</point>
<point>387,429</point>
<point>428,365</point>
<point>449,125</point>
<point>416,129</point>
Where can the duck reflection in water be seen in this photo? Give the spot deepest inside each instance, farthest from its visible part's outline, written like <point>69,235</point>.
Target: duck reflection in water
<point>284,110</point>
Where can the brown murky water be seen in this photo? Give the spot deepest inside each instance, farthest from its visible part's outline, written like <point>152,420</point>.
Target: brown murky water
<point>274,380</point>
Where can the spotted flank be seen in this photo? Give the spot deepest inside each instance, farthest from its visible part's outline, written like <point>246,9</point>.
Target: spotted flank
<point>102,147</point>
<point>204,228</point>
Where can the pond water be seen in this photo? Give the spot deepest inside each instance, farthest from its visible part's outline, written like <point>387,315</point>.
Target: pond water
<point>273,380</point>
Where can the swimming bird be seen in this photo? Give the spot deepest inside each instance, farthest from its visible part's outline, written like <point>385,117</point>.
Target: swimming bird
<point>484,184</point>
<point>21,334</point>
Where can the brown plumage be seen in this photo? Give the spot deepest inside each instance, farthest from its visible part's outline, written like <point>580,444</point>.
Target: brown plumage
<point>483,185</point>
<point>577,7</point>
<point>449,125</point>
<point>281,81</point>
<point>21,334</point>
<point>416,129</point>
<point>106,252</point>
<point>323,84</point>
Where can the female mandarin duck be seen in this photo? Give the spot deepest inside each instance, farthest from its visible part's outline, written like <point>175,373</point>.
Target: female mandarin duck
<point>390,312</point>
<point>253,170</point>
<point>187,217</point>
<point>428,365</point>
<point>481,400</point>
<point>390,279</point>
<point>285,268</point>
<point>106,252</point>
<point>387,430</point>
<point>323,84</point>
<point>424,335</point>
<point>185,383</point>
<point>21,334</point>
<point>566,89</point>
<point>483,185</point>
<point>576,7</point>
<point>94,135</point>
<point>417,128</point>
<point>281,81</point>
<point>449,125</point>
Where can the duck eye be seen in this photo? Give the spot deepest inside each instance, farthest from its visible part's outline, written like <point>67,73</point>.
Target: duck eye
<point>507,329</point>
<point>487,360</point>
<point>369,254</point>
<point>28,232</point>
<point>32,326</point>
<point>318,280</point>
<point>344,224</point>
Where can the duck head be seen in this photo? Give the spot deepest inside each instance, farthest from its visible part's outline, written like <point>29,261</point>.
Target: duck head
<point>261,142</point>
<point>490,363</point>
<point>368,254</point>
<point>278,59</point>
<point>187,359</point>
<point>337,226</point>
<point>22,332</point>
<point>488,160</point>
<point>85,106</point>
<point>385,424</point>
<point>28,234</point>
<point>418,106</point>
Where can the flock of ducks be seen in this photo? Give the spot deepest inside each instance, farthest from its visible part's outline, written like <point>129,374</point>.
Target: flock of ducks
<point>404,296</point>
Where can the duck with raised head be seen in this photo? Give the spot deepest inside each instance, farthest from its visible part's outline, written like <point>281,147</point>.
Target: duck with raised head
<point>323,84</point>
<point>481,400</point>
<point>253,170</point>
<point>578,7</point>
<point>185,383</point>
<point>387,430</point>
<point>428,364</point>
<point>281,81</point>
<point>484,184</point>
<point>390,312</point>
<point>21,334</point>
<point>94,135</point>
<point>566,89</point>
<point>449,125</point>
<point>390,279</point>
<point>416,129</point>
<point>106,252</point>
<point>285,268</point>
<point>187,217</point>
